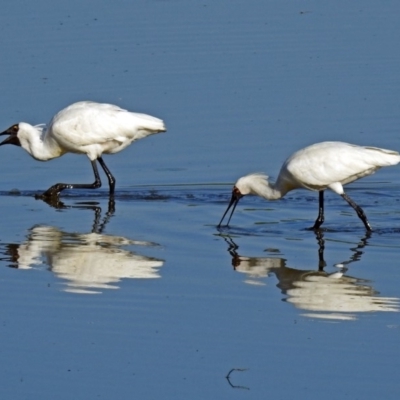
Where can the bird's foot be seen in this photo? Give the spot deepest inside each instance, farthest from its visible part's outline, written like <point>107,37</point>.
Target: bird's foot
<point>52,195</point>
<point>53,192</point>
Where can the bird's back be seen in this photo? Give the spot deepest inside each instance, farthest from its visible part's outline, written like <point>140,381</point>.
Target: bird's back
<point>88,123</point>
<point>322,164</point>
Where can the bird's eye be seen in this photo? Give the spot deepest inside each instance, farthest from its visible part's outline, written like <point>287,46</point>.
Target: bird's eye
<point>15,128</point>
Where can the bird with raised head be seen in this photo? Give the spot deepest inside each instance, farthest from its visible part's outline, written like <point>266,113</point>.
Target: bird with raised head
<point>321,166</point>
<point>87,128</point>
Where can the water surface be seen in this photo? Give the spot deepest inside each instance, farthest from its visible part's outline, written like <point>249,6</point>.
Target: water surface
<point>148,298</point>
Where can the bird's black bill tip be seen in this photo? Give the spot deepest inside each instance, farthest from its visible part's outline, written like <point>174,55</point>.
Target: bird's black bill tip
<point>12,139</point>
<point>233,202</point>
<point>11,130</point>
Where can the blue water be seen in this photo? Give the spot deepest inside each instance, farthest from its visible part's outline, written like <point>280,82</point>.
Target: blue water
<point>150,300</point>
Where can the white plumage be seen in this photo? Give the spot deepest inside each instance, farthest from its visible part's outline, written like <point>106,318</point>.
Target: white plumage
<point>87,128</point>
<point>318,167</point>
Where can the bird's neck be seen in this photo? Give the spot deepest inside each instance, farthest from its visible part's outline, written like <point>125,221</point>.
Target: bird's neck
<point>272,191</point>
<point>34,140</point>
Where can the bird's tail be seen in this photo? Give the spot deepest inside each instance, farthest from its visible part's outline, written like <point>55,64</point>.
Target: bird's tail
<point>151,124</point>
<point>384,157</point>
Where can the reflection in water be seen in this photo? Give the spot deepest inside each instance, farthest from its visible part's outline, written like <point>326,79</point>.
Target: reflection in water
<point>326,295</point>
<point>87,262</point>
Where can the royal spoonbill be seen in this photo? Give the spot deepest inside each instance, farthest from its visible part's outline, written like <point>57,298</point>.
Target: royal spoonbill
<point>87,128</point>
<point>317,167</point>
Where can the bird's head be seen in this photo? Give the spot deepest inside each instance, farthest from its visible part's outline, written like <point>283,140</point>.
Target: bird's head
<point>12,133</point>
<point>26,136</point>
<point>252,184</point>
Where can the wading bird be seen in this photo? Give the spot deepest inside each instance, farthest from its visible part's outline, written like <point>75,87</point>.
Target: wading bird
<point>317,167</point>
<point>87,128</point>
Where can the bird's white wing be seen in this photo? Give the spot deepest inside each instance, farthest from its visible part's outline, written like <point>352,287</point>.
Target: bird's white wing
<point>87,123</point>
<point>326,163</point>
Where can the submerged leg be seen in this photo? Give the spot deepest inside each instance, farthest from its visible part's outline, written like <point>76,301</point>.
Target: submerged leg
<point>111,179</point>
<point>55,190</point>
<point>359,211</point>
<point>320,219</point>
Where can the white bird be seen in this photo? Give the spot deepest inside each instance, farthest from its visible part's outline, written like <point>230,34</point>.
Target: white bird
<point>317,167</point>
<point>87,128</point>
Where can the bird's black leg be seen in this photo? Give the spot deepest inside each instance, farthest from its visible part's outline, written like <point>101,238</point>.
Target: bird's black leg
<point>359,211</point>
<point>55,190</point>
<point>320,219</point>
<point>111,179</point>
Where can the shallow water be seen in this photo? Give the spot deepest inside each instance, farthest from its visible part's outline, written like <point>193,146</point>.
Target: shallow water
<point>151,298</point>
<point>146,297</point>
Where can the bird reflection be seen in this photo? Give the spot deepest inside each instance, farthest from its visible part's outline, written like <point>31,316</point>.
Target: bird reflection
<point>324,295</point>
<point>56,203</point>
<point>88,262</point>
